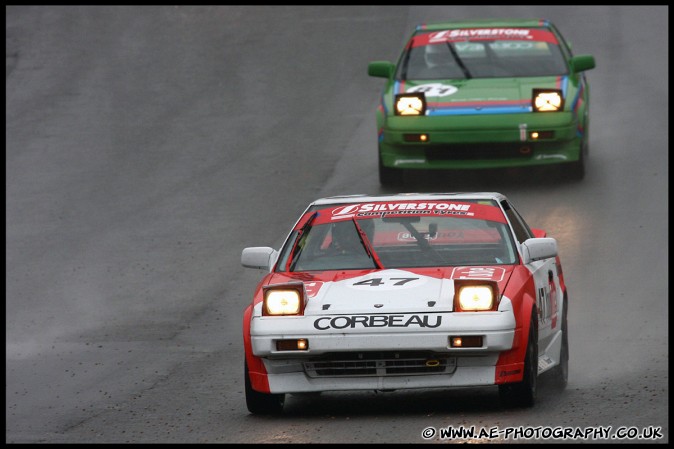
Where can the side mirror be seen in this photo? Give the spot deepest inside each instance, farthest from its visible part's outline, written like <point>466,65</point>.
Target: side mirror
<point>381,69</point>
<point>538,248</point>
<point>581,63</point>
<point>261,257</point>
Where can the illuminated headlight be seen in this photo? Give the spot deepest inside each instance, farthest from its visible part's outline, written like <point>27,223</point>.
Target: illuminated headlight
<point>410,104</point>
<point>547,100</point>
<point>475,297</point>
<point>287,299</point>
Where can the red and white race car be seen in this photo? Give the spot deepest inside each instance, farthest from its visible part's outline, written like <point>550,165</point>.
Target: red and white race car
<point>406,291</point>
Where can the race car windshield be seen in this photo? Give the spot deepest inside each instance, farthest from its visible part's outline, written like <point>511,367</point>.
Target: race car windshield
<point>481,58</point>
<point>402,242</point>
<point>458,60</point>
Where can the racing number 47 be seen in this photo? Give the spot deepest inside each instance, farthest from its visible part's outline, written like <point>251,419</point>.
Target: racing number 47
<point>375,282</point>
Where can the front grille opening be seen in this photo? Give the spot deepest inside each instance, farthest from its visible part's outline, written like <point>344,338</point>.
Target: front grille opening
<point>477,151</point>
<point>341,368</point>
<point>379,364</point>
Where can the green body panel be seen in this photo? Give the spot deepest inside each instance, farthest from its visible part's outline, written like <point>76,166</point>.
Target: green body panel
<point>484,23</point>
<point>473,128</point>
<point>413,156</point>
<point>484,122</point>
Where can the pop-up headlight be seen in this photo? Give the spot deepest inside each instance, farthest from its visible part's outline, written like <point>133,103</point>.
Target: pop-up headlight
<point>475,296</point>
<point>283,299</point>
<point>547,100</point>
<point>410,104</point>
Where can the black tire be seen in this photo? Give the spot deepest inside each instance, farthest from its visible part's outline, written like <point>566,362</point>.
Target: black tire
<point>559,375</point>
<point>262,403</point>
<point>389,177</point>
<point>577,169</point>
<point>523,393</point>
<point>586,134</point>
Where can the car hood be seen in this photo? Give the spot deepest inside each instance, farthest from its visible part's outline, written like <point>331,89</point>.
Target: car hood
<point>390,290</point>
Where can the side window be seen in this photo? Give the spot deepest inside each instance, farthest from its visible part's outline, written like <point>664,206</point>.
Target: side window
<point>522,231</point>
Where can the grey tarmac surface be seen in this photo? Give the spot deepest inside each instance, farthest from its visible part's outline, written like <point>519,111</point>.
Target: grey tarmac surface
<point>148,145</point>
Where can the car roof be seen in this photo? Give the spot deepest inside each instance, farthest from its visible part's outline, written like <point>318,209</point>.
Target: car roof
<point>481,23</point>
<point>364,198</point>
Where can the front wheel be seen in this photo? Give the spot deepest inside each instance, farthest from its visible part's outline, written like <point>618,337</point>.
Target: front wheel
<point>577,168</point>
<point>261,403</point>
<point>560,373</point>
<point>523,393</point>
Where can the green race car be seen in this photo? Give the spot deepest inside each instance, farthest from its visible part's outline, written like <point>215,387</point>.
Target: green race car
<point>483,94</point>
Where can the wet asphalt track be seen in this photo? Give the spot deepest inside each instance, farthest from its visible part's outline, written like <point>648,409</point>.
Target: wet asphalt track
<point>146,146</point>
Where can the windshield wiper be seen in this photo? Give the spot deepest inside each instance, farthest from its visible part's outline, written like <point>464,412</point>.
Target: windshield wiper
<point>458,60</point>
<point>366,244</point>
<point>292,260</point>
<point>406,61</point>
<point>423,243</point>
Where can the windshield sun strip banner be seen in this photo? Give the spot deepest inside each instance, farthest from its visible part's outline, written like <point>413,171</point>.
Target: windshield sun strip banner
<point>483,34</point>
<point>437,208</point>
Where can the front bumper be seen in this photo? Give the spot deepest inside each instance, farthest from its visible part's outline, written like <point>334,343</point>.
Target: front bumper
<point>480,141</point>
<point>382,356</point>
<point>469,372</point>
